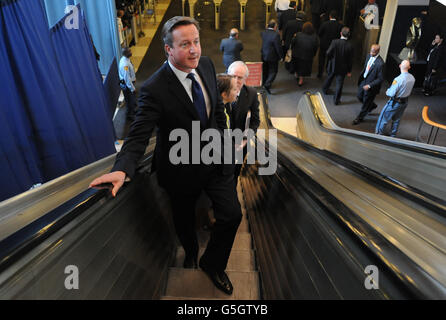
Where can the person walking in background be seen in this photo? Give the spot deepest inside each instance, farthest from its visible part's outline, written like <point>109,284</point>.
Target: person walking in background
<point>328,31</point>
<point>127,79</point>
<point>292,28</point>
<point>317,12</point>
<point>369,82</point>
<point>399,93</point>
<point>434,60</point>
<point>231,48</point>
<point>340,63</point>
<point>245,111</point>
<point>304,47</point>
<point>271,53</point>
<point>281,6</point>
<point>287,15</point>
<point>333,5</point>
<point>121,29</point>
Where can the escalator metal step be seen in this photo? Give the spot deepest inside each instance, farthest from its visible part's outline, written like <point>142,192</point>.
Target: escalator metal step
<point>194,283</point>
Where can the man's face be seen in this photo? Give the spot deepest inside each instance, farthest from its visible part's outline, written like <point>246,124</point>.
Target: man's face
<point>374,51</point>
<point>371,1</point>
<point>240,74</point>
<point>186,51</point>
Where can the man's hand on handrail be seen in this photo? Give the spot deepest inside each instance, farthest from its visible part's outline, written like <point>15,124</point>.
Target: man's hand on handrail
<point>113,180</point>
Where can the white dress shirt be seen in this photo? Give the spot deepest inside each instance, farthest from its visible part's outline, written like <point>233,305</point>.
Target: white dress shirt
<point>187,84</point>
<point>282,5</point>
<point>369,65</point>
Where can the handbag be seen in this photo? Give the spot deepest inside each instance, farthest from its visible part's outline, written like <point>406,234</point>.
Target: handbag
<point>429,82</point>
<point>288,55</point>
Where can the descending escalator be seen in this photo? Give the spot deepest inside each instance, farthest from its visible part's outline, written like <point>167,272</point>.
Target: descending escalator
<point>331,223</point>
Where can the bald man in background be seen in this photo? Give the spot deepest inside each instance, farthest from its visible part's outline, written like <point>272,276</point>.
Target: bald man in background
<point>231,48</point>
<point>399,93</point>
<point>369,82</point>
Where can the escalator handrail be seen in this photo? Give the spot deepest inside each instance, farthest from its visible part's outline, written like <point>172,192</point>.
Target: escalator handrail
<point>20,242</point>
<point>412,146</point>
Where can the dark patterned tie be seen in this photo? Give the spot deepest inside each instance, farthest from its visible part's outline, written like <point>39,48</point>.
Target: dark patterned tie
<point>197,95</point>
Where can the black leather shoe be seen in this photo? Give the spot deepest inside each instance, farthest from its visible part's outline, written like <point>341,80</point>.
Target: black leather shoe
<point>190,262</point>
<point>356,121</point>
<point>337,102</point>
<point>220,279</point>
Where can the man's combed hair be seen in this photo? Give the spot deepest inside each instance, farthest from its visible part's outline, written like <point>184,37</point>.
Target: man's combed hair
<point>345,32</point>
<point>272,24</point>
<point>171,24</point>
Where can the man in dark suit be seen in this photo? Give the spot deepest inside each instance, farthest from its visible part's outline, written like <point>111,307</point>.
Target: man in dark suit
<point>183,96</point>
<point>328,31</point>
<point>231,48</point>
<point>288,15</point>
<point>247,103</point>
<point>333,5</point>
<point>435,64</point>
<point>340,63</point>
<point>291,28</point>
<point>369,82</point>
<point>317,12</point>
<point>271,54</point>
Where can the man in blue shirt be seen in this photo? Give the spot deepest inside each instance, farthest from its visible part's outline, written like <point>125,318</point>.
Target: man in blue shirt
<point>398,92</point>
<point>127,81</point>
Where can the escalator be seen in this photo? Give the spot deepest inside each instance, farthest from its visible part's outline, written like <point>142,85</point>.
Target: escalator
<point>346,215</point>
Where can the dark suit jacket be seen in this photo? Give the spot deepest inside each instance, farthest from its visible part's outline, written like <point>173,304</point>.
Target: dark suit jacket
<point>317,6</point>
<point>164,103</point>
<point>304,46</point>
<point>436,55</point>
<point>247,101</point>
<point>329,31</point>
<point>333,5</point>
<point>271,47</point>
<point>291,28</point>
<point>375,76</point>
<point>286,16</point>
<point>231,48</point>
<point>340,57</point>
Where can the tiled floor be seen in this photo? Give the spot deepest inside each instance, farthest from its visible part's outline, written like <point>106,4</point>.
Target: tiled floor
<point>149,27</point>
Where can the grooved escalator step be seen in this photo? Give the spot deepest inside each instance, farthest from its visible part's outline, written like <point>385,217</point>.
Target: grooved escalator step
<point>194,283</point>
<point>239,260</point>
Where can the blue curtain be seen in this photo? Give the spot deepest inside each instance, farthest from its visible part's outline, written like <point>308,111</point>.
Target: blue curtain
<point>19,161</point>
<point>75,54</point>
<point>42,134</point>
<point>101,21</point>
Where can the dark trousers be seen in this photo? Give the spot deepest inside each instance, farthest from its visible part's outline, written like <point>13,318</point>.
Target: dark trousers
<point>130,102</point>
<point>227,212</point>
<point>316,20</point>
<point>339,85</point>
<point>322,58</point>
<point>269,72</point>
<point>366,98</point>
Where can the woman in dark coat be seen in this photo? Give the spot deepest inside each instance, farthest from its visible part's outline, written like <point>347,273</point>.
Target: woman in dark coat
<point>304,47</point>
